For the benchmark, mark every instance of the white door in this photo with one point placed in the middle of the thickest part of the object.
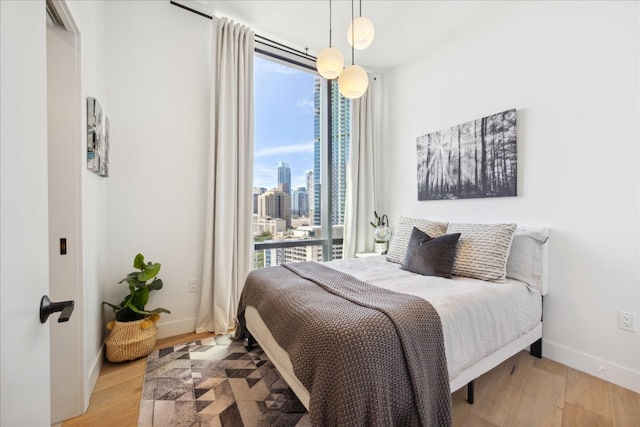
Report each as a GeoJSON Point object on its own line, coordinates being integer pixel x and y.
{"type": "Point", "coordinates": [24, 252]}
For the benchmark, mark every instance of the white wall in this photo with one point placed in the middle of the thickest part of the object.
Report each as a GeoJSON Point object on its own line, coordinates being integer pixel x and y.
{"type": "Point", "coordinates": [572, 71]}
{"type": "Point", "coordinates": [158, 68]}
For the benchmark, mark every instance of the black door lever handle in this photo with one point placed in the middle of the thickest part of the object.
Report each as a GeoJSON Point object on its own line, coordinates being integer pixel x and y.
{"type": "Point", "coordinates": [47, 307]}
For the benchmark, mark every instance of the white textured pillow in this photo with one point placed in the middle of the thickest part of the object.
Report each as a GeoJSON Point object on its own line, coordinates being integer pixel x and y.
{"type": "Point", "coordinates": [482, 251]}
{"type": "Point", "coordinates": [402, 234]}
{"type": "Point", "coordinates": [529, 257]}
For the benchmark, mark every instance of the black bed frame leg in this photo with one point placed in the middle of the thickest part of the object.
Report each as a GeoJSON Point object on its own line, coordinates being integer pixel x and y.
{"type": "Point", "coordinates": [470, 392]}
{"type": "Point", "coordinates": [536, 349]}
{"type": "Point", "coordinates": [250, 342]}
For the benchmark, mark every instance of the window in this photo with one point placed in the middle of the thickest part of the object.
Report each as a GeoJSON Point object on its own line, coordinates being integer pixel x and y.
{"type": "Point", "coordinates": [300, 168]}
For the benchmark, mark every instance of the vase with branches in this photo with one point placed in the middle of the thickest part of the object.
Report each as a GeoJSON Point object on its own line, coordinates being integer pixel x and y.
{"type": "Point", "coordinates": [381, 233]}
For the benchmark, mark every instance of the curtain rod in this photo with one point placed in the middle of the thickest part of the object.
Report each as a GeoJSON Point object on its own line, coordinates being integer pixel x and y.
{"type": "Point", "coordinates": [259, 39]}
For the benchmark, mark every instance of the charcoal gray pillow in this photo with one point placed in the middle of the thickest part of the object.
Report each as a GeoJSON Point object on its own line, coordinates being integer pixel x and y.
{"type": "Point", "coordinates": [430, 256]}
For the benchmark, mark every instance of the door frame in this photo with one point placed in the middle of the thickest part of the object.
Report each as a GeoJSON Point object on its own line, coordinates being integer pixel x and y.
{"type": "Point", "coordinates": [70, 388]}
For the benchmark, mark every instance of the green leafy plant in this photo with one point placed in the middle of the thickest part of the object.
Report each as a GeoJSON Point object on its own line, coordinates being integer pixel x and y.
{"type": "Point", "coordinates": [132, 306]}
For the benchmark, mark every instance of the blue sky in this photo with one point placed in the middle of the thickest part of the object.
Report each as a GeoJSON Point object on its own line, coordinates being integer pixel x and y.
{"type": "Point", "coordinates": [283, 122]}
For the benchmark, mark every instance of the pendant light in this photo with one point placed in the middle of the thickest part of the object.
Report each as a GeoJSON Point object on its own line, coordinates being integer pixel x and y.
{"type": "Point", "coordinates": [330, 61]}
{"type": "Point", "coordinates": [361, 30]}
{"type": "Point", "coordinates": [353, 80]}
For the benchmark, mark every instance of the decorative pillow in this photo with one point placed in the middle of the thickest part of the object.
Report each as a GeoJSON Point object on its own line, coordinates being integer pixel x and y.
{"type": "Point", "coordinates": [482, 251]}
{"type": "Point", "coordinates": [402, 233]}
{"type": "Point", "coordinates": [529, 257]}
{"type": "Point", "coordinates": [430, 257]}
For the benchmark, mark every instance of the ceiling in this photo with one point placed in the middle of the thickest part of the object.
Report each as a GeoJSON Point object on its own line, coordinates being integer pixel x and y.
{"type": "Point", "coordinates": [403, 28]}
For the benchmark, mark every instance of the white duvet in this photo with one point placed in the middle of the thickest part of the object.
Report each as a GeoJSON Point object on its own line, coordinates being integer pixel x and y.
{"type": "Point", "coordinates": [477, 317]}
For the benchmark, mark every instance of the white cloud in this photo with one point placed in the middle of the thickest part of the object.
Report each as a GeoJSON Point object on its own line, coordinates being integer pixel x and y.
{"type": "Point", "coordinates": [306, 106]}
{"type": "Point", "coordinates": [264, 176]}
{"type": "Point", "coordinates": [306, 147]}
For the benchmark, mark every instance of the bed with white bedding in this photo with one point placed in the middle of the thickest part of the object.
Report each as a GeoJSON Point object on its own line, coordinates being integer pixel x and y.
{"type": "Point", "coordinates": [483, 322]}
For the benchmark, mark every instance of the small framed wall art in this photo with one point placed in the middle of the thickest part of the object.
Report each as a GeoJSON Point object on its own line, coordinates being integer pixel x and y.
{"type": "Point", "coordinates": [97, 138]}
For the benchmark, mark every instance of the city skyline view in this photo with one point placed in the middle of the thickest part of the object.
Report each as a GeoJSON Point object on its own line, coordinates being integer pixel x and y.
{"type": "Point", "coordinates": [284, 119]}
{"type": "Point", "coordinates": [287, 196]}
{"type": "Point", "coordinates": [288, 147]}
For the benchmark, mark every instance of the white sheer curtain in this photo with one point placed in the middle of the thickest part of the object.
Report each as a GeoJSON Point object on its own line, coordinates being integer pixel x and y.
{"type": "Point", "coordinates": [228, 239]}
{"type": "Point", "coordinates": [360, 196]}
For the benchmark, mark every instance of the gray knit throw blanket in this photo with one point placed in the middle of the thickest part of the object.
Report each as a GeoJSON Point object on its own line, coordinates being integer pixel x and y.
{"type": "Point", "coordinates": [368, 356]}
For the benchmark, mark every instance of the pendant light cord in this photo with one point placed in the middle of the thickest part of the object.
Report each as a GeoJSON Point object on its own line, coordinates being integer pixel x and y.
{"type": "Point", "coordinates": [330, 29]}
{"type": "Point", "coordinates": [353, 35]}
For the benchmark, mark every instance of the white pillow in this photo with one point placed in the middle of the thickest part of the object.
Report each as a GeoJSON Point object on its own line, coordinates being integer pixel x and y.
{"type": "Point", "coordinates": [482, 250]}
{"type": "Point", "coordinates": [529, 257]}
{"type": "Point", "coordinates": [402, 234]}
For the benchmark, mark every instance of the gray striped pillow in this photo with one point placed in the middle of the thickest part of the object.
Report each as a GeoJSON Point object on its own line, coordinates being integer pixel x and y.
{"type": "Point", "coordinates": [483, 250]}
{"type": "Point", "coordinates": [402, 234]}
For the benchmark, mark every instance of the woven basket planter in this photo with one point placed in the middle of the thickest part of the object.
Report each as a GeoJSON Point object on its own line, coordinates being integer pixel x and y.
{"type": "Point", "coordinates": [128, 341]}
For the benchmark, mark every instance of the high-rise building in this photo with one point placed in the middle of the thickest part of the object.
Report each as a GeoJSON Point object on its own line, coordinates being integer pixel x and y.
{"type": "Point", "coordinates": [256, 192]}
{"type": "Point", "coordinates": [341, 137]}
{"type": "Point", "coordinates": [275, 204]}
{"type": "Point", "coordinates": [340, 145]}
{"type": "Point", "coordinates": [317, 153]}
{"type": "Point", "coordinates": [284, 178]}
{"type": "Point", "coordinates": [300, 202]}
{"type": "Point", "coordinates": [309, 181]}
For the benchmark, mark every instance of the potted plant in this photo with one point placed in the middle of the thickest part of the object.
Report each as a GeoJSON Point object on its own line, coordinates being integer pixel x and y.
{"type": "Point", "coordinates": [134, 331]}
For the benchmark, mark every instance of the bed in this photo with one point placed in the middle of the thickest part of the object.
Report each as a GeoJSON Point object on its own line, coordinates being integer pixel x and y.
{"type": "Point", "coordinates": [483, 322]}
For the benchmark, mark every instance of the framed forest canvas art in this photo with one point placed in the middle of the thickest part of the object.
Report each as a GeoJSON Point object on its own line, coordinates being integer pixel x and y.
{"type": "Point", "coordinates": [471, 160]}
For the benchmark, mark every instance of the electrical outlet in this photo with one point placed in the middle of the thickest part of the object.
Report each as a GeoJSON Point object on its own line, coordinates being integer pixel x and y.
{"type": "Point", "coordinates": [627, 321]}
{"type": "Point", "coordinates": [194, 285]}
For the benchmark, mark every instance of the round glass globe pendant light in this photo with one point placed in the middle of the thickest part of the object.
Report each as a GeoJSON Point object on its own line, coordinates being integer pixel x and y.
{"type": "Point", "coordinates": [361, 30]}
{"type": "Point", "coordinates": [353, 81]}
{"type": "Point", "coordinates": [330, 61]}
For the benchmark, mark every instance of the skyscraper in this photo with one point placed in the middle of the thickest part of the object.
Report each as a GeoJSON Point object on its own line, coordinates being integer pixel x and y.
{"type": "Point", "coordinates": [275, 204]}
{"type": "Point", "coordinates": [309, 180]}
{"type": "Point", "coordinates": [317, 153]}
{"type": "Point", "coordinates": [256, 192]}
{"type": "Point", "coordinates": [340, 139]}
{"type": "Point", "coordinates": [299, 202]}
{"type": "Point", "coordinates": [284, 178]}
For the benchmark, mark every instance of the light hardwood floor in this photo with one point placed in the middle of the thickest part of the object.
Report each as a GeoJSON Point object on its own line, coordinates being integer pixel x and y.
{"type": "Point", "coordinates": [522, 391]}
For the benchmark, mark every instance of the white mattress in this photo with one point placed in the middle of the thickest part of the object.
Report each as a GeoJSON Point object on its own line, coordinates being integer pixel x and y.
{"type": "Point", "coordinates": [477, 317]}
{"type": "Point", "coordinates": [483, 323]}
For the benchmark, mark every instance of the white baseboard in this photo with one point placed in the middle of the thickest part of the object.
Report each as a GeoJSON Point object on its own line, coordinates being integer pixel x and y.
{"type": "Point", "coordinates": [94, 373]}
{"type": "Point", "coordinates": [616, 374]}
{"type": "Point", "coordinates": [178, 327]}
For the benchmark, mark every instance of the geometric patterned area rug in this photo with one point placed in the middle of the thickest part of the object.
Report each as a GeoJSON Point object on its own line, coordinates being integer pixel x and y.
{"type": "Point", "coordinates": [216, 382]}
